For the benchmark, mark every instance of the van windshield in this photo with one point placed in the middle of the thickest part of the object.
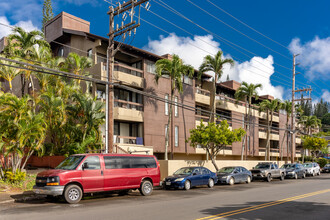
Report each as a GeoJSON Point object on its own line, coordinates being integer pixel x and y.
{"type": "Point", "coordinates": [70, 163]}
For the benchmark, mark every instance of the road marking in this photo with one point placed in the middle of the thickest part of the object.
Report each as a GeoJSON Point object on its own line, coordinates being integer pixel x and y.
{"type": "Point", "coordinates": [264, 205]}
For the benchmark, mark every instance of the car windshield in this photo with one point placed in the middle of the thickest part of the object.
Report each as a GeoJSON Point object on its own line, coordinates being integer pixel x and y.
{"type": "Point", "coordinates": [226, 170]}
{"type": "Point", "coordinates": [70, 163]}
{"type": "Point", "coordinates": [287, 166]}
{"type": "Point", "coordinates": [184, 171]}
{"type": "Point", "coordinates": [262, 166]}
{"type": "Point", "coordinates": [328, 165]}
{"type": "Point", "coordinates": [308, 165]}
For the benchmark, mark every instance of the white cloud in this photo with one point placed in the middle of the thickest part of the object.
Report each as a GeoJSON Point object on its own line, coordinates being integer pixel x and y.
{"type": "Point", "coordinates": [326, 95]}
{"type": "Point", "coordinates": [257, 70]}
{"type": "Point", "coordinates": [314, 56]}
{"type": "Point", "coordinates": [26, 25]}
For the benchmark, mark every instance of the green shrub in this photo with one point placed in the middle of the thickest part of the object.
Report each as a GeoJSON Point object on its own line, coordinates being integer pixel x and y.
{"type": "Point", "coordinates": [19, 176]}
{"type": "Point", "coordinates": [322, 162]}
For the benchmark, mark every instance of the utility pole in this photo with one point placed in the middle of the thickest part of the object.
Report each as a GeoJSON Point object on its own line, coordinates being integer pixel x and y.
{"type": "Point", "coordinates": [293, 117]}
{"type": "Point", "coordinates": [124, 30]}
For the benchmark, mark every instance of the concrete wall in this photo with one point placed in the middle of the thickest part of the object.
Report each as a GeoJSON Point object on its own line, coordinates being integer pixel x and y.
{"type": "Point", "coordinates": [170, 166]}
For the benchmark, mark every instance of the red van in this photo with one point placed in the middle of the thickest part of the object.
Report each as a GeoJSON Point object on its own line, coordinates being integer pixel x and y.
{"type": "Point", "coordinates": [88, 173]}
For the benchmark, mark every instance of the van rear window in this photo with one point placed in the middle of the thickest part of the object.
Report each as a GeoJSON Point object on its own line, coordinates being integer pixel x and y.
{"type": "Point", "coordinates": [129, 162]}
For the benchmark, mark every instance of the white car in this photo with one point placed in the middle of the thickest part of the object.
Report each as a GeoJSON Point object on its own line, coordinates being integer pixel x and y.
{"type": "Point", "coordinates": [312, 169]}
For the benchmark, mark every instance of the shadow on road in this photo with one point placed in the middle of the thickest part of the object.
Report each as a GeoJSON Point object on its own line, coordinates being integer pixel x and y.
{"type": "Point", "coordinates": [259, 210]}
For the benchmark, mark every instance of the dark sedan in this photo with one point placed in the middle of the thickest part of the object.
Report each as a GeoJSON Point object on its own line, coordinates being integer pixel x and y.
{"type": "Point", "coordinates": [326, 168]}
{"type": "Point", "coordinates": [294, 170]}
{"type": "Point", "coordinates": [187, 177]}
{"type": "Point", "coordinates": [231, 175]}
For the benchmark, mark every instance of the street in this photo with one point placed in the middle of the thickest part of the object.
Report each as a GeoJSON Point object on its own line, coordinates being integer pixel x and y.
{"type": "Point", "coordinates": [289, 199]}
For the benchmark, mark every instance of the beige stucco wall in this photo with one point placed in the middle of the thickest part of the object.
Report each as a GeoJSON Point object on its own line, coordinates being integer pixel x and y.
{"type": "Point", "coordinates": [263, 135]}
{"type": "Point", "coordinates": [170, 166]}
{"type": "Point", "coordinates": [203, 99]}
{"type": "Point", "coordinates": [127, 114]}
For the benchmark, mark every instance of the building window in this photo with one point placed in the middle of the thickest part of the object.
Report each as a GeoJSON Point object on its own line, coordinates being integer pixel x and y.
{"type": "Point", "coordinates": [176, 113]}
{"type": "Point", "coordinates": [90, 53]}
{"type": "Point", "coordinates": [166, 104]}
{"type": "Point", "coordinates": [176, 131]}
{"type": "Point", "coordinates": [151, 67]}
{"type": "Point", "coordinates": [187, 80]}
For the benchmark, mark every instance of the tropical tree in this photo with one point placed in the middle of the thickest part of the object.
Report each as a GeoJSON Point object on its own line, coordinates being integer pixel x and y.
{"type": "Point", "coordinates": [175, 69]}
{"type": "Point", "coordinates": [78, 65]}
{"type": "Point", "coordinates": [214, 138]}
{"type": "Point", "coordinates": [315, 145]}
{"type": "Point", "coordinates": [247, 91]}
{"type": "Point", "coordinates": [270, 107]}
{"type": "Point", "coordinates": [287, 107]}
{"type": "Point", "coordinates": [214, 64]}
{"type": "Point", "coordinates": [47, 12]}
{"type": "Point", "coordinates": [9, 73]}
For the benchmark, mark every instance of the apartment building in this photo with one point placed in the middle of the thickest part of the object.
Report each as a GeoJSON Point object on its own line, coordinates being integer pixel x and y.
{"type": "Point", "coordinates": [139, 121]}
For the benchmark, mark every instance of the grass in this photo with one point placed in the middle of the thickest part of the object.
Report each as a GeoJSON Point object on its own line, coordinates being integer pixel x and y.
{"type": "Point", "coordinates": [25, 185]}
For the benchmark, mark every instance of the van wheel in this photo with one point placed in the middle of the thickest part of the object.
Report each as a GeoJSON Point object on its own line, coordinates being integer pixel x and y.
{"type": "Point", "coordinates": [72, 194]}
{"type": "Point", "coordinates": [146, 188]}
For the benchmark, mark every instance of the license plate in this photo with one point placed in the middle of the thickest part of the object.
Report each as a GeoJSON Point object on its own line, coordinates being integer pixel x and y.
{"type": "Point", "coordinates": [168, 183]}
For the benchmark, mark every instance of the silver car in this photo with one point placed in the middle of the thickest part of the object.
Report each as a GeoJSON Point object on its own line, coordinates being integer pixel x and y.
{"type": "Point", "coordinates": [312, 169]}
{"type": "Point", "coordinates": [232, 175]}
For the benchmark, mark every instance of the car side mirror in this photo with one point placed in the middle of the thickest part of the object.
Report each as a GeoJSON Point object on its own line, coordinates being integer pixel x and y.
{"type": "Point", "coordinates": [85, 166]}
{"type": "Point", "coordinates": [194, 174]}
{"type": "Point", "coordinates": [252, 167]}
{"type": "Point", "coordinates": [235, 171]}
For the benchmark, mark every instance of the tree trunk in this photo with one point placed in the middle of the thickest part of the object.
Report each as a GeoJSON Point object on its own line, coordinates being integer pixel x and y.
{"type": "Point", "coordinates": [214, 105]}
{"type": "Point", "coordinates": [23, 84]}
{"type": "Point", "coordinates": [287, 137]}
{"type": "Point", "coordinates": [184, 127]}
{"type": "Point", "coordinates": [281, 148]}
{"type": "Point", "coordinates": [168, 127]}
{"type": "Point", "coordinates": [244, 137]}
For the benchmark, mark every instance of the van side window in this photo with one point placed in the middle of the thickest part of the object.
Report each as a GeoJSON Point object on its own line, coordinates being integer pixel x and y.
{"type": "Point", "coordinates": [93, 163]}
{"type": "Point", "coordinates": [112, 162]}
{"type": "Point", "coordinates": [143, 162]}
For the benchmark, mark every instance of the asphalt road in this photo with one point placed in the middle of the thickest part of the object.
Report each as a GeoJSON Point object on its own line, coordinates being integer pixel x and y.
{"type": "Point", "coordinates": [301, 199]}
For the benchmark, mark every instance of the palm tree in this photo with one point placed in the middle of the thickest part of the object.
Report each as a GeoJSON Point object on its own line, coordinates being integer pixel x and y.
{"type": "Point", "coordinates": [9, 73]}
{"type": "Point", "coordinates": [175, 69]}
{"type": "Point", "coordinates": [21, 43]}
{"type": "Point", "coordinates": [309, 122]}
{"type": "Point", "coordinates": [214, 64]}
{"type": "Point", "coordinates": [287, 107]}
{"type": "Point", "coordinates": [78, 64]}
{"type": "Point", "coordinates": [247, 91]}
{"type": "Point", "coordinates": [270, 107]}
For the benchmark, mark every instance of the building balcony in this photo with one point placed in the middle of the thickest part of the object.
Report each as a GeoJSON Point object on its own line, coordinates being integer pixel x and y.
{"type": "Point", "coordinates": [226, 151]}
{"type": "Point", "coordinates": [274, 134]}
{"type": "Point", "coordinates": [129, 75]}
{"type": "Point", "coordinates": [202, 96]}
{"type": "Point", "coordinates": [298, 140]}
{"type": "Point", "coordinates": [131, 145]}
{"type": "Point", "coordinates": [274, 152]}
{"type": "Point", "coordinates": [231, 104]}
{"type": "Point", "coordinates": [128, 111]}
{"type": "Point", "coordinates": [99, 71]}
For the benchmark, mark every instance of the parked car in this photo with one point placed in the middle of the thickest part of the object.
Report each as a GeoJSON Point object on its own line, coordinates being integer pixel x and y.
{"type": "Point", "coordinates": [88, 173]}
{"type": "Point", "coordinates": [312, 169]}
{"type": "Point", "coordinates": [294, 170]}
{"type": "Point", "coordinates": [326, 168]}
{"type": "Point", "coordinates": [232, 175]}
{"type": "Point", "coordinates": [267, 171]}
{"type": "Point", "coordinates": [187, 177]}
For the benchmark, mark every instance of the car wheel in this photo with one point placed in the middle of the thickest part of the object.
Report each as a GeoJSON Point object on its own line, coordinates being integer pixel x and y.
{"type": "Point", "coordinates": [319, 173]}
{"type": "Point", "coordinates": [296, 176]}
{"type": "Point", "coordinates": [231, 181]}
{"type": "Point", "coordinates": [248, 179]}
{"type": "Point", "coordinates": [73, 194]}
{"type": "Point", "coordinates": [269, 178]}
{"type": "Point", "coordinates": [187, 185]}
{"type": "Point", "coordinates": [282, 176]}
{"type": "Point", "coordinates": [146, 188]}
{"type": "Point", "coordinates": [304, 175]}
{"type": "Point", "coordinates": [211, 183]}
{"type": "Point", "coordinates": [314, 174]}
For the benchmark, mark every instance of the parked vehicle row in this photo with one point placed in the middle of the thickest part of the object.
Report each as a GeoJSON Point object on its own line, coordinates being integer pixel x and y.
{"type": "Point", "coordinates": [326, 168]}
{"type": "Point", "coordinates": [89, 173]}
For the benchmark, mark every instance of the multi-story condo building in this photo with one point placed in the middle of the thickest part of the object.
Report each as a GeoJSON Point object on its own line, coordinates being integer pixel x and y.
{"type": "Point", "coordinates": [140, 121]}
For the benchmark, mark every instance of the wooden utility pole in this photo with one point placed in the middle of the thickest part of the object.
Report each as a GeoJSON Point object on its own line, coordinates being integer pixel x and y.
{"type": "Point", "coordinates": [124, 30]}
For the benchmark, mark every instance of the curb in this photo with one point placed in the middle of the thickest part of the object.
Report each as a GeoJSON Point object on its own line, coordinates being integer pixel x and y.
{"type": "Point", "coordinates": [7, 201]}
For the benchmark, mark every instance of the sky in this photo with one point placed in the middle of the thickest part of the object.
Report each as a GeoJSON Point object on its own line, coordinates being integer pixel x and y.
{"type": "Point", "coordinates": [260, 36]}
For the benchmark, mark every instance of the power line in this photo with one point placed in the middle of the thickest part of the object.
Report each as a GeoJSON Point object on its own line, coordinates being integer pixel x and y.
{"type": "Point", "coordinates": [72, 75]}
{"type": "Point", "coordinates": [238, 30]}
{"type": "Point", "coordinates": [246, 24]}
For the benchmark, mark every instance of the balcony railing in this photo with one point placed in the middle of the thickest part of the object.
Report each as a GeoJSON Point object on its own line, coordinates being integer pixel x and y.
{"type": "Point", "coordinates": [128, 140]}
{"type": "Point", "coordinates": [272, 150]}
{"type": "Point", "coordinates": [272, 131]}
{"type": "Point", "coordinates": [128, 69]}
{"type": "Point", "coordinates": [202, 91]}
{"type": "Point", "coordinates": [128, 105]}
{"type": "Point", "coordinates": [207, 118]}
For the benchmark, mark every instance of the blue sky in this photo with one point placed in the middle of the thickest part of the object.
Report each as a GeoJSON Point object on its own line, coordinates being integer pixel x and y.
{"type": "Point", "coordinates": [300, 26]}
